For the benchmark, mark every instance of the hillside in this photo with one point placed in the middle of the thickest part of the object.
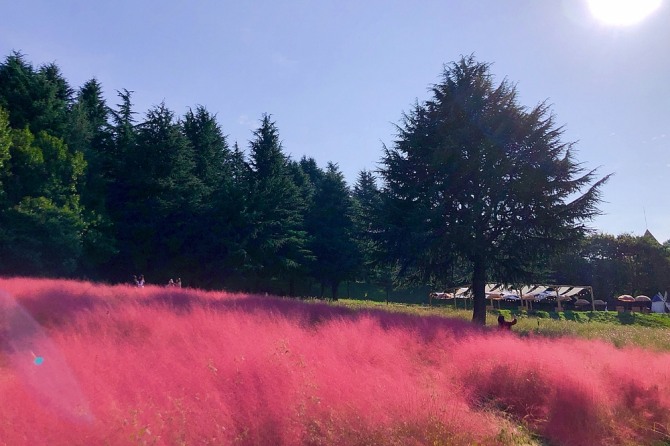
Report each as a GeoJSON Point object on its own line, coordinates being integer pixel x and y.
{"type": "Point", "coordinates": [122, 365]}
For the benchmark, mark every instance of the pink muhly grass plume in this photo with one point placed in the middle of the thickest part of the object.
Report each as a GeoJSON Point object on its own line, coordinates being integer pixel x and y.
{"type": "Point", "coordinates": [171, 366]}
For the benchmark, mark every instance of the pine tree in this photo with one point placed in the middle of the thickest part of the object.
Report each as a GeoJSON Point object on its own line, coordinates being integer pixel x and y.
{"type": "Point", "coordinates": [89, 133]}
{"type": "Point", "coordinates": [211, 152]}
{"type": "Point", "coordinates": [475, 176]}
{"type": "Point", "coordinates": [162, 195]}
{"type": "Point", "coordinates": [367, 204]}
{"type": "Point", "coordinates": [331, 229]}
{"type": "Point", "coordinates": [37, 99]}
{"type": "Point", "coordinates": [5, 144]}
{"type": "Point", "coordinates": [220, 224]}
{"type": "Point", "coordinates": [276, 244]}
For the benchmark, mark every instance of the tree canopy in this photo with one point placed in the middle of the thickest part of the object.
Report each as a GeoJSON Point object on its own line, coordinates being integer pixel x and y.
{"type": "Point", "coordinates": [475, 176]}
{"type": "Point", "coordinates": [474, 187]}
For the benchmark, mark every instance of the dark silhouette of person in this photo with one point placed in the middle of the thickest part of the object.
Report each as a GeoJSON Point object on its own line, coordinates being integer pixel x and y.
{"type": "Point", "coordinates": [503, 324]}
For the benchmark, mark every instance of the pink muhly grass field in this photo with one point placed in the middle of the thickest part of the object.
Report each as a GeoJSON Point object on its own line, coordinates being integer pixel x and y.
{"type": "Point", "coordinates": [156, 365]}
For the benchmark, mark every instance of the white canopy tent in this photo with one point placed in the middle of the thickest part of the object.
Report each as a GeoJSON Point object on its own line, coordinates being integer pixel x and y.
{"type": "Point", "coordinates": [659, 303]}
{"type": "Point", "coordinates": [526, 294]}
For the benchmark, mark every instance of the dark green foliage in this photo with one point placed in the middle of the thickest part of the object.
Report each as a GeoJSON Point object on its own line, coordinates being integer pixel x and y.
{"type": "Point", "coordinates": [276, 241]}
{"type": "Point", "coordinates": [41, 218]}
{"type": "Point", "coordinates": [90, 134]}
{"type": "Point", "coordinates": [312, 170]}
{"type": "Point", "coordinates": [161, 194]}
{"type": "Point", "coordinates": [473, 183]}
{"type": "Point", "coordinates": [124, 143]}
{"type": "Point", "coordinates": [38, 237]}
{"type": "Point", "coordinates": [330, 225]}
{"type": "Point", "coordinates": [615, 265]}
{"type": "Point", "coordinates": [211, 153]}
{"type": "Point", "coordinates": [366, 208]}
{"type": "Point", "coordinates": [220, 220]}
{"type": "Point", "coordinates": [5, 144]}
{"type": "Point", "coordinates": [475, 176]}
{"type": "Point", "coordinates": [37, 99]}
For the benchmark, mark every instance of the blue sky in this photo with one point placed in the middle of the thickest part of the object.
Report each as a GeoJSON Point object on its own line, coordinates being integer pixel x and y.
{"type": "Point", "coordinates": [337, 75]}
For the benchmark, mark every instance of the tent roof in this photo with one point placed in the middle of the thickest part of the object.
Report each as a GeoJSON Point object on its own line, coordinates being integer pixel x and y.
{"type": "Point", "coordinates": [573, 291]}
{"type": "Point", "coordinates": [657, 298]}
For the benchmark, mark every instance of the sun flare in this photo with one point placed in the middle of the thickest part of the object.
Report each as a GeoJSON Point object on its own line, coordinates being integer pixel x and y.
{"type": "Point", "coordinates": [622, 12]}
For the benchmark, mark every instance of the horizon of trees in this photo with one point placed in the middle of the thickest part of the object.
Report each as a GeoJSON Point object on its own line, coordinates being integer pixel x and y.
{"type": "Point", "coordinates": [89, 190]}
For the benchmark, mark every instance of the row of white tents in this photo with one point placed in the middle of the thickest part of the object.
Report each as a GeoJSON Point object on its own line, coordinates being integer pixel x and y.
{"type": "Point", "coordinates": [580, 296]}
{"type": "Point", "coordinates": [527, 294]}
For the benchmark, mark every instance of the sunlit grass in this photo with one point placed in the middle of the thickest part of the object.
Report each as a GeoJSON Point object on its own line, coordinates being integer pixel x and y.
{"type": "Point", "coordinates": [635, 332]}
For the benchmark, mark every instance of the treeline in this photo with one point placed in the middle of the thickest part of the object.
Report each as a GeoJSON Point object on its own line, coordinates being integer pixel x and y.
{"type": "Point", "coordinates": [95, 191]}
{"type": "Point", "coordinates": [615, 265]}
{"type": "Point", "coordinates": [90, 190]}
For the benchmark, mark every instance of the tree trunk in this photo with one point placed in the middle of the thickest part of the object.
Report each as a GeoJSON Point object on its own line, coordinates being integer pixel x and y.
{"type": "Point", "coordinates": [334, 286]}
{"type": "Point", "coordinates": [479, 292]}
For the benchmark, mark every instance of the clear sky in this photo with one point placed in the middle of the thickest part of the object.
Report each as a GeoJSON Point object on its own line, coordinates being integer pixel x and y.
{"type": "Point", "coordinates": [337, 75]}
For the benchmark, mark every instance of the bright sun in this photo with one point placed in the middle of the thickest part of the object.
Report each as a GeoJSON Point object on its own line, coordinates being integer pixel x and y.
{"type": "Point", "coordinates": [622, 12]}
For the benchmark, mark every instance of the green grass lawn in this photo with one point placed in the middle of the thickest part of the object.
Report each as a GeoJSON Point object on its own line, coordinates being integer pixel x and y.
{"type": "Point", "coordinates": [651, 331]}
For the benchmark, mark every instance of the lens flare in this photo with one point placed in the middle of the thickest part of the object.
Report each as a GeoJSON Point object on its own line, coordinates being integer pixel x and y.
{"type": "Point", "coordinates": [622, 12]}
{"type": "Point", "coordinates": [52, 383]}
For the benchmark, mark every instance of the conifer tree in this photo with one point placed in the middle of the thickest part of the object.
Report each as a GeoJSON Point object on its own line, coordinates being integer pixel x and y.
{"type": "Point", "coordinates": [366, 198]}
{"type": "Point", "coordinates": [475, 176]}
{"type": "Point", "coordinates": [5, 144]}
{"type": "Point", "coordinates": [220, 222]}
{"type": "Point", "coordinates": [163, 194]}
{"type": "Point", "coordinates": [37, 99]}
{"type": "Point", "coordinates": [331, 229]}
{"type": "Point", "coordinates": [276, 244]}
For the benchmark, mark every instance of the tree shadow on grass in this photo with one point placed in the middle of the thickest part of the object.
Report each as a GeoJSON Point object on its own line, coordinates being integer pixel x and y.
{"type": "Point", "coordinates": [54, 306]}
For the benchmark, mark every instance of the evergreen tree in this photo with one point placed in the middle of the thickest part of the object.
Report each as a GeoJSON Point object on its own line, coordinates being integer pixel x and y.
{"type": "Point", "coordinates": [220, 225]}
{"type": "Point", "coordinates": [41, 216]}
{"type": "Point", "coordinates": [331, 229]}
{"type": "Point", "coordinates": [5, 144]}
{"type": "Point", "coordinates": [367, 204]}
{"type": "Point", "coordinates": [473, 175]}
{"type": "Point", "coordinates": [121, 173]}
{"type": "Point", "coordinates": [17, 78]}
{"type": "Point", "coordinates": [89, 133]}
{"type": "Point", "coordinates": [37, 99]}
{"type": "Point", "coordinates": [276, 244]}
{"type": "Point", "coordinates": [163, 195]}
{"type": "Point", "coordinates": [211, 152]}
{"type": "Point", "coordinates": [312, 170]}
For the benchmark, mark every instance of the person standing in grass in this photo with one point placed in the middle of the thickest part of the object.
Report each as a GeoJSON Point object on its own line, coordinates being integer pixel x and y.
{"type": "Point", "coordinates": [503, 324]}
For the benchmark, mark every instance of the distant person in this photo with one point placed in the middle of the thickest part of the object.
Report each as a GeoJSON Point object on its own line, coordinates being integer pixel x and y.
{"type": "Point", "coordinates": [178, 282]}
{"type": "Point", "coordinates": [504, 325]}
{"type": "Point", "coordinates": [136, 281]}
{"type": "Point", "coordinates": [140, 283]}
{"type": "Point", "coordinates": [170, 283]}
